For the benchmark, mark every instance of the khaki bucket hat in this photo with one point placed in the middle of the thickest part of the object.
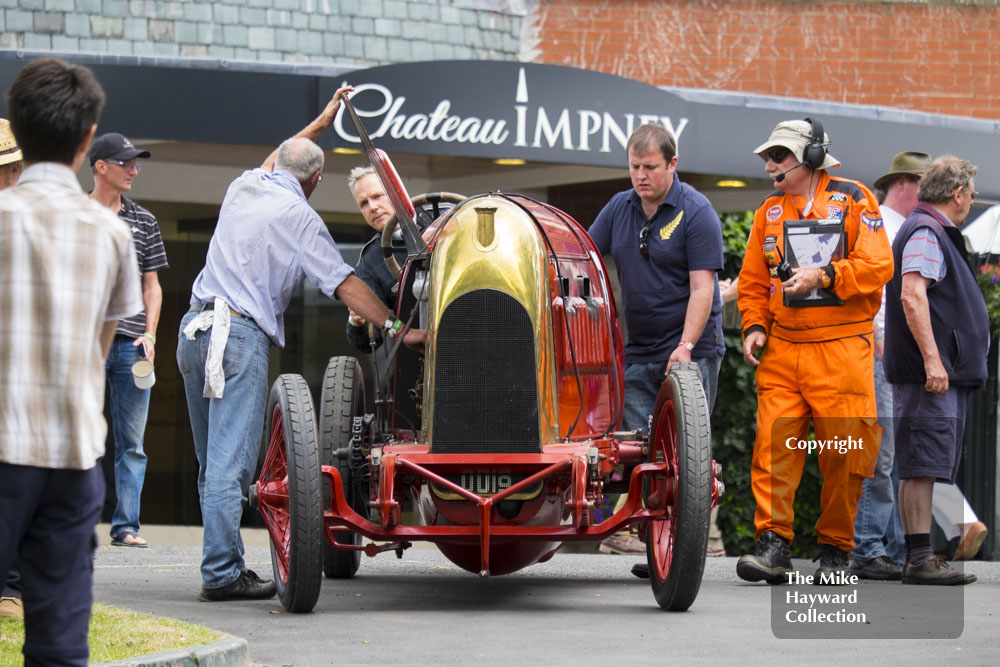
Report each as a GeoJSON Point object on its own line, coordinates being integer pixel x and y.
{"type": "Point", "coordinates": [913, 163]}
{"type": "Point", "coordinates": [795, 135]}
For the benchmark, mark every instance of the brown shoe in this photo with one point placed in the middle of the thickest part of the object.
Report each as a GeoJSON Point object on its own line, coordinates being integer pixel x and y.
{"type": "Point", "coordinates": [623, 543]}
{"type": "Point", "coordinates": [972, 538]}
{"type": "Point", "coordinates": [935, 571]}
{"type": "Point", "coordinates": [11, 607]}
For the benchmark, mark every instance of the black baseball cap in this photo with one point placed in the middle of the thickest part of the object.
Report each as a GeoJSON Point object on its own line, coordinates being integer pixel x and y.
{"type": "Point", "coordinates": [114, 145]}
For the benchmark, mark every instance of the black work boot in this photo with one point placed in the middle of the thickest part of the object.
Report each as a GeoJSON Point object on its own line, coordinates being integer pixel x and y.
{"type": "Point", "coordinates": [771, 563]}
{"type": "Point", "coordinates": [247, 586]}
{"type": "Point", "coordinates": [833, 566]}
{"type": "Point", "coordinates": [879, 569]}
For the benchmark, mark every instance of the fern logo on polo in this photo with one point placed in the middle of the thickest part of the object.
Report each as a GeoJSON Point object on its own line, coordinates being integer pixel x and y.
{"type": "Point", "coordinates": [669, 228]}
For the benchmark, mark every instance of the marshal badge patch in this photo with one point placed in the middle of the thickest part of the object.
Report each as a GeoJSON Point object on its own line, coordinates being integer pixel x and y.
{"type": "Point", "coordinates": [774, 213]}
{"type": "Point", "coordinates": [872, 222]}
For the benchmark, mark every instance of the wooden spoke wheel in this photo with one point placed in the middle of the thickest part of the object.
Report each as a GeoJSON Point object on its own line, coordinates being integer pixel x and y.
{"type": "Point", "coordinates": [289, 496]}
{"type": "Point", "coordinates": [680, 437]}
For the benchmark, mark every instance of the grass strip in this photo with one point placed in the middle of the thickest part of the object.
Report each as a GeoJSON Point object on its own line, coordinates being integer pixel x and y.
{"type": "Point", "coordinates": [116, 634]}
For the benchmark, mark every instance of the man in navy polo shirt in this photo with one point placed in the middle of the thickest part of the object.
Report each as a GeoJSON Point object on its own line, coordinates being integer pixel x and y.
{"type": "Point", "coordinates": [666, 241]}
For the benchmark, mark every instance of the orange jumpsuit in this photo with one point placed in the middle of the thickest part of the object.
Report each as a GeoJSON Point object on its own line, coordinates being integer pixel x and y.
{"type": "Point", "coordinates": [817, 362]}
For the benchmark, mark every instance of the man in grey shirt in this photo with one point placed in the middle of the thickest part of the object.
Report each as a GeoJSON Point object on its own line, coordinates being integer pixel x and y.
{"type": "Point", "coordinates": [268, 239]}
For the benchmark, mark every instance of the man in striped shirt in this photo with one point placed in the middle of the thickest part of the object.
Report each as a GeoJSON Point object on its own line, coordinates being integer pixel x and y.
{"type": "Point", "coordinates": [114, 161]}
{"type": "Point", "coordinates": [68, 275]}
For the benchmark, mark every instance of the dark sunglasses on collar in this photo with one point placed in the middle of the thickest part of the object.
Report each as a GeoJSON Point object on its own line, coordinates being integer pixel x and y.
{"type": "Point", "coordinates": [644, 241]}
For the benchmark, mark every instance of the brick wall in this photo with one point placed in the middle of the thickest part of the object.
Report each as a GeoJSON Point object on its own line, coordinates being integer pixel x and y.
{"type": "Point", "coordinates": [925, 55]}
{"type": "Point", "coordinates": [363, 32]}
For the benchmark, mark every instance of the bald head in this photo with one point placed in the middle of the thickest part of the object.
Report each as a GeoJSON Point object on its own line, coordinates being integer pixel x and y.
{"type": "Point", "coordinates": [301, 157]}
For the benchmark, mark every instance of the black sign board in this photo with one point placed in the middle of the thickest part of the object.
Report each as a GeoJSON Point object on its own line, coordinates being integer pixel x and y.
{"type": "Point", "coordinates": [492, 109]}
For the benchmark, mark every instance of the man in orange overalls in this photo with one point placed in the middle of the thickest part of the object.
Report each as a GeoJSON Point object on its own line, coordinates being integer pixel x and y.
{"type": "Point", "coordinates": [816, 361]}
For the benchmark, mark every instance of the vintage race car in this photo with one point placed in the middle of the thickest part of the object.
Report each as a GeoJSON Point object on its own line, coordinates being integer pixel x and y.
{"type": "Point", "coordinates": [503, 434]}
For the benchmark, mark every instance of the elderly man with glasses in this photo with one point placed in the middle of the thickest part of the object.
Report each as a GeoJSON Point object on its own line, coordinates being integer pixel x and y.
{"type": "Point", "coordinates": [114, 161]}
{"type": "Point", "coordinates": [666, 241]}
{"type": "Point", "coordinates": [816, 358]}
{"type": "Point", "coordinates": [937, 339]}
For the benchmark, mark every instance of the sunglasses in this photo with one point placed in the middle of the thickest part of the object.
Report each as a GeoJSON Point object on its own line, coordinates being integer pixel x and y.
{"type": "Point", "coordinates": [125, 164]}
{"type": "Point", "coordinates": [644, 241]}
{"type": "Point", "coordinates": [777, 155]}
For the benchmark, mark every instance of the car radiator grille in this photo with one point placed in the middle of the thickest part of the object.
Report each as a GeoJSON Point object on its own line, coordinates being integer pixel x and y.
{"type": "Point", "coordinates": [485, 383]}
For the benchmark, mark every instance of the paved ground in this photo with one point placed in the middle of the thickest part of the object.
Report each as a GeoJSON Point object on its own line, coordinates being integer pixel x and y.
{"type": "Point", "coordinates": [580, 608]}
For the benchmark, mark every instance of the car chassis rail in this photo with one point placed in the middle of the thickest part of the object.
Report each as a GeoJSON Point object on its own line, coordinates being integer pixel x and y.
{"type": "Point", "coordinates": [397, 461]}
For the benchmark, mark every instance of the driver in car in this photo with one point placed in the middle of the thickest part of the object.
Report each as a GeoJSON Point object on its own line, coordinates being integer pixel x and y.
{"type": "Point", "coordinates": [375, 208]}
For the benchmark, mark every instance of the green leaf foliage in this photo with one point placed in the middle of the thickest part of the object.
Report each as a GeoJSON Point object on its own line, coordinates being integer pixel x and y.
{"type": "Point", "coordinates": [988, 277]}
{"type": "Point", "coordinates": [734, 427]}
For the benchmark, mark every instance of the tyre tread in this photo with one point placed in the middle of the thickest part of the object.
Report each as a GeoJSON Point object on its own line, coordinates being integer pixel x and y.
{"type": "Point", "coordinates": [340, 381]}
{"type": "Point", "coordinates": [301, 590]}
{"type": "Point", "coordinates": [694, 494]}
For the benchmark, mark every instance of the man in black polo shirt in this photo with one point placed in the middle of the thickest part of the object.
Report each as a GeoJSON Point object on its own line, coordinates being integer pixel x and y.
{"type": "Point", "coordinates": [937, 337]}
{"type": "Point", "coordinates": [114, 161]}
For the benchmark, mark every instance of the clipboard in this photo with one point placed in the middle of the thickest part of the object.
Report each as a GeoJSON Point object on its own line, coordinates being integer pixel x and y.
{"type": "Point", "coordinates": [813, 244]}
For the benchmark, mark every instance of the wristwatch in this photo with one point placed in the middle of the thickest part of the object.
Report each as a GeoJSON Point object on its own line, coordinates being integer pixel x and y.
{"type": "Point", "coordinates": [686, 345]}
{"type": "Point", "coordinates": [826, 278]}
{"type": "Point", "coordinates": [392, 327]}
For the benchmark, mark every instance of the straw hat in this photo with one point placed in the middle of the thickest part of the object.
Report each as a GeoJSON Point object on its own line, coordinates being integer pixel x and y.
{"type": "Point", "coordinates": [9, 152]}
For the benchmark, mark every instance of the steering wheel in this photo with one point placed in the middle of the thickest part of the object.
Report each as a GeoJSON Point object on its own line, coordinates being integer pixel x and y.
{"type": "Point", "coordinates": [432, 199]}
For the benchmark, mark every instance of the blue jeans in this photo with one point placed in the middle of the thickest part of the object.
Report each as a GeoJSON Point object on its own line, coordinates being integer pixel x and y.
{"type": "Point", "coordinates": [129, 409]}
{"type": "Point", "coordinates": [878, 515]}
{"type": "Point", "coordinates": [227, 436]}
{"type": "Point", "coordinates": [642, 384]}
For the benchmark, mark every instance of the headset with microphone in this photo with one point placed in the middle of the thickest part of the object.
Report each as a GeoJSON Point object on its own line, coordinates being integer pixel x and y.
{"type": "Point", "coordinates": [813, 154]}
{"type": "Point", "coordinates": [780, 177]}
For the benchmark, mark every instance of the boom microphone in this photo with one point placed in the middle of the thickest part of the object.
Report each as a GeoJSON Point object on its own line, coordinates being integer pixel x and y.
{"type": "Point", "coordinates": [780, 177]}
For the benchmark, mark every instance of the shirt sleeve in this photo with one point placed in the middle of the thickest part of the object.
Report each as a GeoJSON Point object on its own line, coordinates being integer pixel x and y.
{"type": "Point", "coordinates": [322, 262]}
{"type": "Point", "coordinates": [879, 321]}
{"type": "Point", "coordinates": [372, 270]}
{"type": "Point", "coordinates": [367, 271]}
{"type": "Point", "coordinates": [155, 256]}
{"type": "Point", "coordinates": [704, 241]}
{"type": "Point", "coordinates": [600, 231]}
{"type": "Point", "coordinates": [754, 288]}
{"type": "Point", "coordinates": [358, 337]}
{"type": "Point", "coordinates": [922, 254]}
{"type": "Point", "coordinates": [868, 265]}
{"type": "Point", "coordinates": [126, 293]}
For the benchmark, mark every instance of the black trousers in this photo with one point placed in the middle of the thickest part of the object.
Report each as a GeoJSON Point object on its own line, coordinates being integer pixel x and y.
{"type": "Point", "coordinates": [12, 585]}
{"type": "Point", "coordinates": [47, 520]}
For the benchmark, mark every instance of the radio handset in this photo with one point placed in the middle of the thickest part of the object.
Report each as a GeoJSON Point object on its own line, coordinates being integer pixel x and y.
{"type": "Point", "coordinates": [784, 268]}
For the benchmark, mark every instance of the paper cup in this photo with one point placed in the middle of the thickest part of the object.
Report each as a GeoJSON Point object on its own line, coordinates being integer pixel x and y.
{"type": "Point", "coordinates": [143, 375]}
